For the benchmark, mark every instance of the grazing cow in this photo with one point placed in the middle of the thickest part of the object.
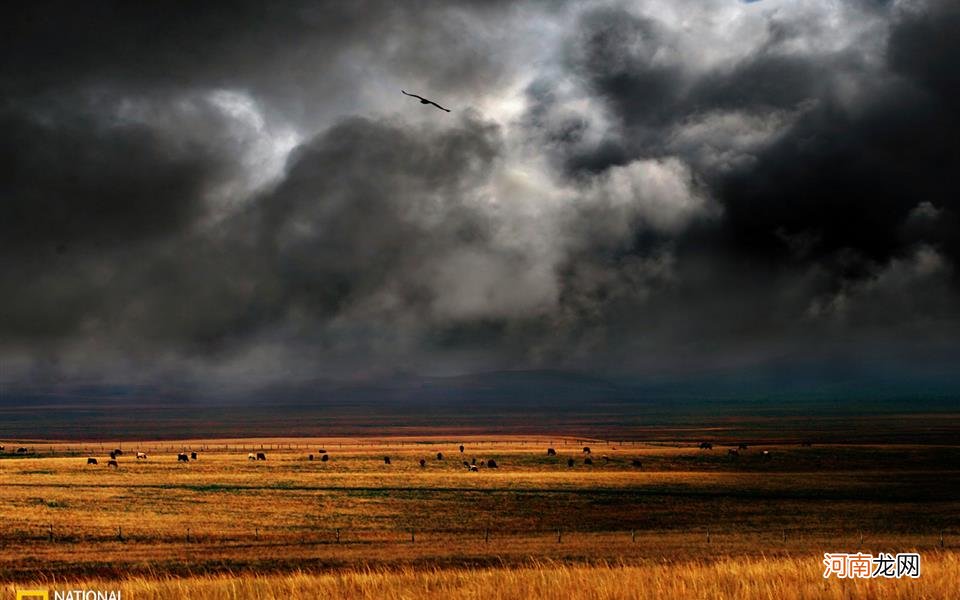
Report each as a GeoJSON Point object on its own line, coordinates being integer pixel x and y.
{"type": "Point", "coordinates": [474, 468]}
{"type": "Point", "coordinates": [386, 460]}
{"type": "Point", "coordinates": [310, 457]}
{"type": "Point", "coordinates": [492, 464]}
{"type": "Point", "coordinates": [193, 456]}
{"type": "Point", "coordinates": [586, 449]}
{"type": "Point", "coordinates": [423, 463]}
{"type": "Point", "coordinates": [113, 463]}
{"type": "Point", "coordinates": [483, 463]}
{"type": "Point", "coordinates": [91, 461]}
{"type": "Point", "coordinates": [742, 447]}
{"type": "Point", "coordinates": [588, 461]}
{"type": "Point", "coordinates": [466, 464]}
{"type": "Point", "coordinates": [21, 450]}
{"type": "Point", "coordinates": [569, 462]}
{"type": "Point", "coordinates": [551, 452]}
{"type": "Point", "coordinates": [261, 456]}
{"type": "Point", "coordinates": [113, 455]}
{"type": "Point", "coordinates": [321, 451]}
{"type": "Point", "coordinates": [766, 454]}
{"type": "Point", "coordinates": [251, 456]}
{"type": "Point", "coordinates": [461, 448]}
{"type": "Point", "coordinates": [706, 446]}
{"type": "Point", "coordinates": [439, 455]}
{"type": "Point", "coordinates": [183, 457]}
{"type": "Point", "coordinates": [637, 463]}
{"type": "Point", "coordinates": [733, 452]}
{"type": "Point", "coordinates": [118, 452]}
{"type": "Point", "coordinates": [325, 458]}
{"type": "Point", "coordinates": [141, 456]}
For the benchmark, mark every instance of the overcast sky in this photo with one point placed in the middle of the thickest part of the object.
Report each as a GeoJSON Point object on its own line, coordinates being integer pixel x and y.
{"type": "Point", "coordinates": [244, 195]}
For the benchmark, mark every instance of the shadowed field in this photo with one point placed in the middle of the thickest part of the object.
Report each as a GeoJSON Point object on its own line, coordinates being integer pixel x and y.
{"type": "Point", "coordinates": [222, 513]}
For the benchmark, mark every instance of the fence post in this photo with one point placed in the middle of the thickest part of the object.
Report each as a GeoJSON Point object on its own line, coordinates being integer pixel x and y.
{"type": "Point", "coordinates": [559, 535]}
{"type": "Point", "coordinates": [633, 536]}
{"type": "Point", "coordinates": [708, 535]}
{"type": "Point", "coordinates": [413, 537]}
{"type": "Point", "coordinates": [784, 536]}
{"type": "Point", "coordinates": [119, 533]}
{"type": "Point", "coordinates": [486, 536]}
{"type": "Point", "coordinates": [51, 532]}
{"type": "Point", "coordinates": [338, 535]}
{"type": "Point", "coordinates": [188, 535]}
{"type": "Point", "coordinates": [941, 538]}
{"type": "Point", "coordinates": [861, 536]}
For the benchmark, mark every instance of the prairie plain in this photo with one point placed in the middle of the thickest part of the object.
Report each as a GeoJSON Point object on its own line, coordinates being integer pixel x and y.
{"type": "Point", "coordinates": [639, 505]}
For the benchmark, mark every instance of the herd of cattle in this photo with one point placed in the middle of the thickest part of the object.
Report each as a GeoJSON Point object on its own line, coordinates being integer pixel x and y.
{"type": "Point", "coordinates": [471, 465]}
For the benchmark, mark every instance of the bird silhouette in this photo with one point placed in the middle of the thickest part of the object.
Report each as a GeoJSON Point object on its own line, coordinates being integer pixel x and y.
{"type": "Point", "coordinates": [425, 101]}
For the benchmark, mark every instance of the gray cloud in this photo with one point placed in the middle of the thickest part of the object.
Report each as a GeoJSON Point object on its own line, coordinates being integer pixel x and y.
{"type": "Point", "coordinates": [627, 188]}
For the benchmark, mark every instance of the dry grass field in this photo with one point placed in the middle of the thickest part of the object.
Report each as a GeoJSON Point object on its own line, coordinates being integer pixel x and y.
{"type": "Point", "coordinates": [687, 523]}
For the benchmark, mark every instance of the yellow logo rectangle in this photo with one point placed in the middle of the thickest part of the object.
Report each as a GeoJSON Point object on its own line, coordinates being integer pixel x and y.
{"type": "Point", "coordinates": [33, 595]}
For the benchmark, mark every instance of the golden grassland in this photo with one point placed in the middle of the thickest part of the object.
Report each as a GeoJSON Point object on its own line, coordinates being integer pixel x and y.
{"type": "Point", "coordinates": [355, 526]}
{"type": "Point", "coordinates": [753, 578]}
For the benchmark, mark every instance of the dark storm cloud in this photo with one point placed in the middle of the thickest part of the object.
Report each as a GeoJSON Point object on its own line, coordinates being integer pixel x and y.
{"type": "Point", "coordinates": [635, 188]}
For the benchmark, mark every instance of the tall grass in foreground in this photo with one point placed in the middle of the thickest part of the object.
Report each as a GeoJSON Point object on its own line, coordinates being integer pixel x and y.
{"type": "Point", "coordinates": [729, 579]}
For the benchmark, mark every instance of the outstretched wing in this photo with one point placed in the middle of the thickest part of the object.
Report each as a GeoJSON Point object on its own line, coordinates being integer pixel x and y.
{"type": "Point", "coordinates": [438, 106]}
{"type": "Point", "coordinates": [414, 96]}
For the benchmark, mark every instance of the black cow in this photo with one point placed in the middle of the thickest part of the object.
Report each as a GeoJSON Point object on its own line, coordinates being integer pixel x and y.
{"type": "Point", "coordinates": [586, 449]}
{"type": "Point", "coordinates": [569, 462]}
{"type": "Point", "coordinates": [473, 460]}
{"type": "Point", "coordinates": [492, 464]}
{"type": "Point", "coordinates": [193, 456]}
{"type": "Point", "coordinates": [466, 464]}
{"type": "Point", "coordinates": [321, 451]}
{"type": "Point", "coordinates": [91, 461]}
{"type": "Point", "coordinates": [733, 452]}
{"type": "Point", "coordinates": [551, 452]}
{"type": "Point", "coordinates": [325, 458]}
{"type": "Point", "coordinates": [118, 452]}
{"type": "Point", "coordinates": [423, 463]}
{"type": "Point", "coordinates": [113, 463]}
{"type": "Point", "coordinates": [439, 455]}
{"type": "Point", "coordinates": [742, 447]}
{"type": "Point", "coordinates": [806, 444]}
{"type": "Point", "coordinates": [261, 456]}
{"type": "Point", "coordinates": [21, 450]}
{"type": "Point", "coordinates": [310, 457]}
{"type": "Point", "coordinates": [386, 460]}
{"type": "Point", "coordinates": [588, 461]}
{"type": "Point", "coordinates": [113, 455]}
{"type": "Point", "coordinates": [461, 448]}
{"type": "Point", "coordinates": [183, 457]}
{"type": "Point", "coordinates": [706, 446]}
{"type": "Point", "coordinates": [637, 463]}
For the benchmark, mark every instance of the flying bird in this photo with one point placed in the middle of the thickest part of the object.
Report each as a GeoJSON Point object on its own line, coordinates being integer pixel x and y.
{"type": "Point", "coordinates": [425, 101]}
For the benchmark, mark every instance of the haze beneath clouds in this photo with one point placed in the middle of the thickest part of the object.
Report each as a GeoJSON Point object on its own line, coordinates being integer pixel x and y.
{"type": "Point", "coordinates": [243, 195]}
